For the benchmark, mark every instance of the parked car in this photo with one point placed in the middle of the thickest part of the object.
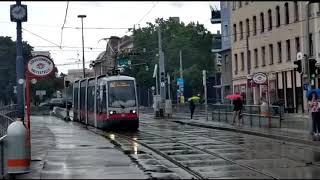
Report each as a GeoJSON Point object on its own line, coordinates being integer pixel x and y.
{"type": "Point", "coordinates": [59, 102]}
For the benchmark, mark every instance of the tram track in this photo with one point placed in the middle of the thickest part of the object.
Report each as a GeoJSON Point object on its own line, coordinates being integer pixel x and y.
{"type": "Point", "coordinates": [145, 136]}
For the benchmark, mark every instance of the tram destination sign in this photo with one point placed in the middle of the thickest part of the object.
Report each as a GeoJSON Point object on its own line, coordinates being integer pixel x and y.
{"type": "Point", "coordinates": [40, 66]}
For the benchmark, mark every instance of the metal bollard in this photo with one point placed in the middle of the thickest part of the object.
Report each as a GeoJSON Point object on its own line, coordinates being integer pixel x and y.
{"type": "Point", "coordinates": [18, 144]}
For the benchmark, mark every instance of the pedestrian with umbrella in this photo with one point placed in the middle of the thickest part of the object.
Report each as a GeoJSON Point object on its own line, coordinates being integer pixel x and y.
{"type": "Point", "coordinates": [192, 103]}
{"type": "Point", "coordinates": [237, 106]}
{"type": "Point", "coordinates": [314, 108]}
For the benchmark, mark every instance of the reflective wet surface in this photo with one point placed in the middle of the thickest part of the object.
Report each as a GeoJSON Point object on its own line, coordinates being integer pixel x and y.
{"type": "Point", "coordinates": [216, 153]}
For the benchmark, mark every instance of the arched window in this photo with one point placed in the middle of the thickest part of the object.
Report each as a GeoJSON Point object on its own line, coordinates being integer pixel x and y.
{"type": "Point", "coordinates": [278, 15]}
{"type": "Point", "coordinates": [286, 10]}
{"type": "Point", "coordinates": [270, 19]}
{"type": "Point", "coordinates": [262, 22]}
{"type": "Point", "coordinates": [296, 11]}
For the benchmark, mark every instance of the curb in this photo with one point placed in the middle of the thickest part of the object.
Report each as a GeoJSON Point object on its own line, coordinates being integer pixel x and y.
{"type": "Point", "coordinates": [250, 132]}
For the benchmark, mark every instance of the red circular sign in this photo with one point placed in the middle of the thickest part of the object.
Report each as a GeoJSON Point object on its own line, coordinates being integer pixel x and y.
{"type": "Point", "coordinates": [40, 66]}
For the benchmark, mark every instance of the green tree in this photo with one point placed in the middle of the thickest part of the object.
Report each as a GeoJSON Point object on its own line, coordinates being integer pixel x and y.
{"type": "Point", "coordinates": [193, 39]}
{"type": "Point", "coordinates": [8, 66]}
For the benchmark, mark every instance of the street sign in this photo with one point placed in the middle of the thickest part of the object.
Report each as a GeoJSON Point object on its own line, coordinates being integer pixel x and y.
{"type": "Point", "coordinates": [260, 78]}
{"type": "Point", "coordinates": [162, 84]}
{"type": "Point", "coordinates": [40, 66]}
{"type": "Point", "coordinates": [180, 82]}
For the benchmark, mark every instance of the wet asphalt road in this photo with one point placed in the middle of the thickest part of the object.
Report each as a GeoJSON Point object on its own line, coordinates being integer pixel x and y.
{"type": "Point", "coordinates": [170, 150]}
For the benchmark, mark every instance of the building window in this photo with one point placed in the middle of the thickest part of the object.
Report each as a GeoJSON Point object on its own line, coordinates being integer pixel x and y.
{"type": "Point", "coordinates": [236, 63]}
{"type": "Point", "coordinates": [262, 22]}
{"type": "Point", "coordinates": [296, 11]}
{"type": "Point", "coordinates": [240, 4]}
{"type": "Point", "coordinates": [246, 2]}
{"type": "Point", "coordinates": [263, 55]}
{"type": "Point", "coordinates": [249, 61]}
{"type": "Point", "coordinates": [226, 60]}
{"type": "Point", "coordinates": [286, 10]}
{"type": "Point", "coordinates": [241, 30]}
{"type": "Point", "coordinates": [288, 50]}
{"type": "Point", "coordinates": [242, 61]}
{"type": "Point", "coordinates": [279, 52]}
{"type": "Point", "coordinates": [278, 15]}
{"type": "Point", "coordinates": [234, 5]}
{"type": "Point", "coordinates": [254, 25]}
{"type": "Point", "coordinates": [310, 45]}
{"type": "Point", "coordinates": [235, 32]}
{"type": "Point", "coordinates": [270, 19]}
{"type": "Point", "coordinates": [297, 44]}
{"type": "Point", "coordinates": [256, 60]}
{"type": "Point", "coordinates": [248, 27]}
{"type": "Point", "coordinates": [226, 30]}
{"type": "Point", "coordinates": [271, 53]}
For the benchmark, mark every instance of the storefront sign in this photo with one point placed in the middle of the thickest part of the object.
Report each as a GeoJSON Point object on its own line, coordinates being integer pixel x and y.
{"type": "Point", "coordinates": [260, 78]}
{"type": "Point", "coordinates": [40, 66]}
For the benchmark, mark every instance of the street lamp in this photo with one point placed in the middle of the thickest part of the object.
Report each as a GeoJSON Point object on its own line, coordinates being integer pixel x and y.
{"type": "Point", "coordinates": [84, 71]}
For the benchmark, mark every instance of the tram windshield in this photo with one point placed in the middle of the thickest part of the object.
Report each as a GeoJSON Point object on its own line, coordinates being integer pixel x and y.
{"type": "Point", "coordinates": [121, 94]}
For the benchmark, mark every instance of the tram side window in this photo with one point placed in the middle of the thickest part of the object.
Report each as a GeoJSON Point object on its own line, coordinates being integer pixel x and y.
{"type": "Point", "coordinates": [104, 99]}
{"type": "Point", "coordinates": [82, 97]}
{"type": "Point", "coordinates": [76, 98]}
{"type": "Point", "coordinates": [90, 98]}
{"type": "Point", "coordinates": [98, 99]}
{"type": "Point", "coordinates": [101, 99]}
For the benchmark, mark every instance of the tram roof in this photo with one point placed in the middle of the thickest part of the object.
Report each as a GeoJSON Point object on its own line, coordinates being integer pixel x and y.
{"type": "Point", "coordinates": [118, 77]}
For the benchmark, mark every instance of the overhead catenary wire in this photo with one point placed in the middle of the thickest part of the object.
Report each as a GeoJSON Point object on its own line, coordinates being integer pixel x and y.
{"type": "Point", "coordinates": [64, 22]}
{"type": "Point", "coordinates": [154, 5]}
{"type": "Point", "coordinates": [41, 37]}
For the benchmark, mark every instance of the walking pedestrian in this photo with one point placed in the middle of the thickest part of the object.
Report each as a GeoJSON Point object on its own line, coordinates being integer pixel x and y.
{"type": "Point", "coordinates": [237, 108]}
{"type": "Point", "coordinates": [192, 106]}
{"type": "Point", "coordinates": [314, 108]}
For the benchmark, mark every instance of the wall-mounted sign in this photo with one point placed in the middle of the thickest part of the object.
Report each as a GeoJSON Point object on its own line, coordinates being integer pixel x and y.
{"type": "Point", "coordinates": [260, 78]}
{"type": "Point", "coordinates": [40, 66]}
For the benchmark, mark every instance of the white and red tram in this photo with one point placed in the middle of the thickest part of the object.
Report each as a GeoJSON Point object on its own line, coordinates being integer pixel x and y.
{"type": "Point", "coordinates": [106, 102]}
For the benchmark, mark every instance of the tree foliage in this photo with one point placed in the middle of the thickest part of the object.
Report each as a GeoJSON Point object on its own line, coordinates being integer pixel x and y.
{"type": "Point", "coordinates": [192, 39]}
{"type": "Point", "coordinates": [8, 72]}
{"type": "Point", "coordinates": [8, 66]}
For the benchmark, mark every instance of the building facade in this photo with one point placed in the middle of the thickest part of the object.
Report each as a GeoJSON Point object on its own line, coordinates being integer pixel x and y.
{"type": "Point", "coordinates": [106, 60]}
{"type": "Point", "coordinates": [266, 37]}
{"type": "Point", "coordinates": [226, 63]}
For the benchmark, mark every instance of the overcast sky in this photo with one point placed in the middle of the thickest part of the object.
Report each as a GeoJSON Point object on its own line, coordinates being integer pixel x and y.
{"type": "Point", "coordinates": [45, 20]}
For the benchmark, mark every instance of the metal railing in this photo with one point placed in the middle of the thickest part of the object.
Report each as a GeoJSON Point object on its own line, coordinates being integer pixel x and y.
{"type": "Point", "coordinates": [251, 114]}
{"type": "Point", "coordinates": [7, 115]}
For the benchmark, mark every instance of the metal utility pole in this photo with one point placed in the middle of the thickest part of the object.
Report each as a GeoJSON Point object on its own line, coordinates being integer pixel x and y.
{"type": "Point", "coordinates": [161, 68]}
{"type": "Point", "coordinates": [168, 79]}
{"type": "Point", "coordinates": [20, 70]}
{"type": "Point", "coordinates": [181, 70]}
{"type": "Point", "coordinates": [249, 89]}
{"type": "Point", "coordinates": [204, 80]}
{"type": "Point", "coordinates": [83, 63]}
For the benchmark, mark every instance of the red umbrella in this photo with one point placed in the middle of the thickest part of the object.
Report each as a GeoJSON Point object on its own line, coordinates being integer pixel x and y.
{"type": "Point", "coordinates": [233, 96]}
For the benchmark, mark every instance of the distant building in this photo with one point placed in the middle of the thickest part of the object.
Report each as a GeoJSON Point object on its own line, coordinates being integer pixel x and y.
{"type": "Point", "coordinates": [45, 53]}
{"type": "Point", "coordinates": [76, 74]}
{"type": "Point", "coordinates": [226, 61]}
{"type": "Point", "coordinates": [106, 60]}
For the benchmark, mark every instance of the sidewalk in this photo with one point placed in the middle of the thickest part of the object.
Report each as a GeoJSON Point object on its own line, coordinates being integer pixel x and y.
{"type": "Point", "coordinates": [66, 150]}
{"type": "Point", "coordinates": [285, 133]}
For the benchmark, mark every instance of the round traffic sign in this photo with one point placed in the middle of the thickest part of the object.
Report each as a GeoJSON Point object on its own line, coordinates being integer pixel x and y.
{"type": "Point", "coordinates": [33, 81]}
{"type": "Point", "coordinates": [40, 66]}
{"type": "Point", "coordinates": [21, 81]}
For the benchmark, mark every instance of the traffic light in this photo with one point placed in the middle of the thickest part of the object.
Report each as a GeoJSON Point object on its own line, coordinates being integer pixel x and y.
{"type": "Point", "coordinates": [312, 67]}
{"type": "Point", "coordinates": [299, 66]}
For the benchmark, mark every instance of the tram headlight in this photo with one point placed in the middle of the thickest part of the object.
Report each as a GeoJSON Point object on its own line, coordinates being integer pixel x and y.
{"type": "Point", "coordinates": [112, 112]}
{"type": "Point", "coordinates": [134, 111]}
